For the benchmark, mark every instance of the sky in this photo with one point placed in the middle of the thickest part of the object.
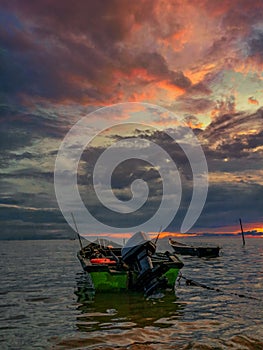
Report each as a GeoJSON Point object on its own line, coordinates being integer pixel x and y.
{"type": "Point", "coordinates": [61, 61]}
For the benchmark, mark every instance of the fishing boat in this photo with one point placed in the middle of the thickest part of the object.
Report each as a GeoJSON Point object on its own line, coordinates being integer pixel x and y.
{"type": "Point", "coordinates": [136, 266]}
{"type": "Point", "coordinates": [199, 251]}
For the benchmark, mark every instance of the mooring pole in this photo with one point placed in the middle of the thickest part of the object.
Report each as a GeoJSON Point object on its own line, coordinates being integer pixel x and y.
{"type": "Point", "coordinates": [242, 232]}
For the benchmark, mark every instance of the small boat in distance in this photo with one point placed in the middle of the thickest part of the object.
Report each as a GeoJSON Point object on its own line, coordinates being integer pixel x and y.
{"type": "Point", "coordinates": [199, 251]}
{"type": "Point", "coordinates": [136, 266]}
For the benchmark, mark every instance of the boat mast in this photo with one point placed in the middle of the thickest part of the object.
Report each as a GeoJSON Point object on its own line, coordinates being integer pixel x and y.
{"type": "Point", "coordinates": [80, 243]}
{"type": "Point", "coordinates": [158, 235]}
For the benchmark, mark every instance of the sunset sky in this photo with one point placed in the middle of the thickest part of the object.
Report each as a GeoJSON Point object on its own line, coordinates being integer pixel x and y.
{"type": "Point", "coordinates": [61, 60]}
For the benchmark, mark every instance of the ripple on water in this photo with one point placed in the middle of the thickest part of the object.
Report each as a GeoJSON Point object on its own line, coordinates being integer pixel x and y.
{"type": "Point", "coordinates": [155, 339]}
{"type": "Point", "coordinates": [44, 304]}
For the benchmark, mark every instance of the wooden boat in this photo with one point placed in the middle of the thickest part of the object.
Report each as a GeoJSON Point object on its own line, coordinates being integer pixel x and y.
{"type": "Point", "coordinates": [199, 251]}
{"type": "Point", "coordinates": [136, 266]}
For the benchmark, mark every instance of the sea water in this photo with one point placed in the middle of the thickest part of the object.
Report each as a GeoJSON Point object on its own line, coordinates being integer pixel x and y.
{"type": "Point", "coordinates": [46, 302]}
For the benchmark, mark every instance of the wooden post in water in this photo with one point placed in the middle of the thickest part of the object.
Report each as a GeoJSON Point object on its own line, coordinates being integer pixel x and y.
{"type": "Point", "coordinates": [242, 232]}
{"type": "Point", "coordinates": [80, 243]}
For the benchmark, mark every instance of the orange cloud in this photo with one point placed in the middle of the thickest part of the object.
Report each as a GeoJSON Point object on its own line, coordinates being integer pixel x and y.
{"type": "Point", "coordinates": [135, 74]}
{"type": "Point", "coordinates": [198, 75]}
{"type": "Point", "coordinates": [219, 8]}
{"type": "Point", "coordinates": [177, 40]}
{"type": "Point", "coordinates": [108, 235]}
{"type": "Point", "coordinates": [194, 125]}
{"type": "Point", "coordinates": [258, 226]}
{"type": "Point", "coordinates": [171, 234]}
{"type": "Point", "coordinates": [249, 65]}
{"type": "Point", "coordinates": [154, 92]}
{"type": "Point", "coordinates": [252, 100]}
{"type": "Point", "coordinates": [231, 229]}
{"type": "Point", "coordinates": [171, 91]}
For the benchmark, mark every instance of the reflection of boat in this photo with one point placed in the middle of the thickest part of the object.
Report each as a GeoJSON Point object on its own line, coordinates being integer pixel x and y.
{"type": "Point", "coordinates": [199, 251]}
{"type": "Point", "coordinates": [123, 310]}
{"type": "Point", "coordinates": [136, 266]}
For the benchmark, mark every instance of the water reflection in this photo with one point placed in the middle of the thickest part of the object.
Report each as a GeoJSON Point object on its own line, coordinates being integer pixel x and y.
{"type": "Point", "coordinates": [123, 310]}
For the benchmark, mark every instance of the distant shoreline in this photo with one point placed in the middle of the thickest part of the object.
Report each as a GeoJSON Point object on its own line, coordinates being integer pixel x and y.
{"type": "Point", "coordinates": [208, 235]}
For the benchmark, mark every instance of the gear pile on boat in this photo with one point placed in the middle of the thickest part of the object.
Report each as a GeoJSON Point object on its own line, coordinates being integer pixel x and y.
{"type": "Point", "coordinates": [136, 266]}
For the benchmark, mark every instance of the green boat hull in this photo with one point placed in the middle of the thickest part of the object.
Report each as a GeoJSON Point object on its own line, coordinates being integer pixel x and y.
{"type": "Point", "coordinates": [105, 281]}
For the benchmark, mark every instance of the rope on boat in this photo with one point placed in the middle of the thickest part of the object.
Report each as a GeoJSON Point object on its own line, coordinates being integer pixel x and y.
{"type": "Point", "coordinates": [190, 282]}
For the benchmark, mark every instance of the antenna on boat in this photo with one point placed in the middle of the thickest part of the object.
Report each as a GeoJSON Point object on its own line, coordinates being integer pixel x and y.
{"type": "Point", "coordinates": [80, 243]}
{"type": "Point", "coordinates": [156, 239]}
{"type": "Point", "coordinates": [242, 232]}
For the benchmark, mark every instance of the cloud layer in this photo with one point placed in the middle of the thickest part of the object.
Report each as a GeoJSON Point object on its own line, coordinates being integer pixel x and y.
{"type": "Point", "coordinates": [200, 59]}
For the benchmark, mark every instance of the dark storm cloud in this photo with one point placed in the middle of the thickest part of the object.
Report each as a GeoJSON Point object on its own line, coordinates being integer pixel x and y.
{"type": "Point", "coordinates": [226, 201]}
{"type": "Point", "coordinates": [229, 137]}
{"type": "Point", "coordinates": [168, 144]}
{"type": "Point", "coordinates": [121, 181]}
{"type": "Point", "coordinates": [88, 52]}
{"type": "Point", "coordinates": [33, 226]}
{"type": "Point", "coordinates": [59, 51]}
{"type": "Point", "coordinates": [27, 66]}
{"type": "Point", "coordinates": [226, 205]}
{"type": "Point", "coordinates": [48, 49]}
{"type": "Point", "coordinates": [27, 209]}
{"type": "Point", "coordinates": [127, 172]}
{"type": "Point", "coordinates": [20, 127]}
{"type": "Point", "coordinates": [157, 67]}
{"type": "Point", "coordinates": [104, 21]}
{"type": "Point", "coordinates": [224, 125]}
{"type": "Point", "coordinates": [194, 105]}
{"type": "Point", "coordinates": [230, 197]}
{"type": "Point", "coordinates": [25, 161]}
{"type": "Point", "coordinates": [255, 44]}
{"type": "Point", "coordinates": [63, 51]}
{"type": "Point", "coordinates": [29, 173]}
{"type": "Point", "coordinates": [240, 13]}
{"type": "Point", "coordinates": [199, 89]}
{"type": "Point", "coordinates": [48, 73]}
{"type": "Point", "coordinates": [241, 146]}
{"type": "Point", "coordinates": [31, 215]}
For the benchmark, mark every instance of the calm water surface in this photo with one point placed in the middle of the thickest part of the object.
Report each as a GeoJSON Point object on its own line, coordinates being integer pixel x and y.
{"type": "Point", "coordinates": [46, 303]}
